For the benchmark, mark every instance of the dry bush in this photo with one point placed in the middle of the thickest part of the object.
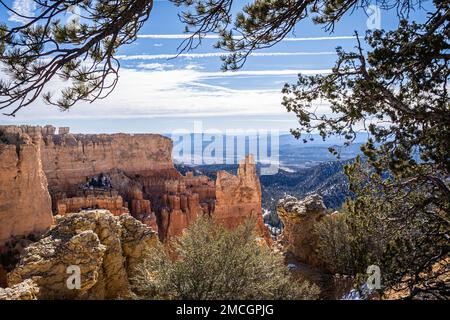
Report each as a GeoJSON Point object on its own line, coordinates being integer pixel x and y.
{"type": "Point", "coordinates": [215, 263]}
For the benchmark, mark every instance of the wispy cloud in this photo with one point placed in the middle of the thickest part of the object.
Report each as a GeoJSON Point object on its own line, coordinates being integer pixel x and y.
{"type": "Point", "coordinates": [23, 9]}
{"type": "Point", "coordinates": [287, 72]}
{"type": "Point", "coordinates": [213, 36]}
{"type": "Point", "coordinates": [154, 66]}
{"type": "Point", "coordinates": [143, 94]}
{"type": "Point", "coordinates": [218, 54]}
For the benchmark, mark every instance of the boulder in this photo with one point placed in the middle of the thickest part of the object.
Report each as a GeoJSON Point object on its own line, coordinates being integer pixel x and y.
{"type": "Point", "coordinates": [26, 290]}
{"type": "Point", "coordinates": [105, 248]}
{"type": "Point", "coordinates": [299, 218]}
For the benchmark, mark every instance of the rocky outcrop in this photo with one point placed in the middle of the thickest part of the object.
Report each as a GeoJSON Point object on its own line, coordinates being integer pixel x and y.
{"type": "Point", "coordinates": [299, 218]}
{"type": "Point", "coordinates": [105, 248]}
{"type": "Point", "coordinates": [27, 290]}
{"type": "Point", "coordinates": [141, 209]}
{"type": "Point", "coordinates": [110, 201]}
{"type": "Point", "coordinates": [25, 204]}
{"type": "Point", "coordinates": [239, 197]}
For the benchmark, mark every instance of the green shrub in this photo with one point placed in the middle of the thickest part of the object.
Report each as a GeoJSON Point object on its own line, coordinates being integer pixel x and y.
{"type": "Point", "coordinates": [334, 247]}
{"type": "Point", "coordinates": [215, 263]}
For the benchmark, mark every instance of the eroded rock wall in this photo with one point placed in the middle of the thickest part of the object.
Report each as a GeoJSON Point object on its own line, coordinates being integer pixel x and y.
{"type": "Point", "coordinates": [25, 204]}
{"type": "Point", "coordinates": [110, 201]}
{"type": "Point", "coordinates": [70, 159]}
{"type": "Point", "coordinates": [140, 170]}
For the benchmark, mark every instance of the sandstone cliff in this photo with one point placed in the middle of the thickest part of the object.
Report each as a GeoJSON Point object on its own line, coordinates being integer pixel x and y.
{"type": "Point", "coordinates": [110, 201]}
{"type": "Point", "coordinates": [299, 218]}
{"type": "Point", "coordinates": [106, 248]}
{"type": "Point", "coordinates": [239, 197]}
{"type": "Point", "coordinates": [70, 159]}
{"type": "Point", "coordinates": [25, 204]}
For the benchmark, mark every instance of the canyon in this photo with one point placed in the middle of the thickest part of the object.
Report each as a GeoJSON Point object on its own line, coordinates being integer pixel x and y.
{"type": "Point", "coordinates": [102, 201]}
{"type": "Point", "coordinates": [47, 172]}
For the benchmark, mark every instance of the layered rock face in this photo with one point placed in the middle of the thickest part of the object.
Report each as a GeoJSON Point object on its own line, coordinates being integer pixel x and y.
{"type": "Point", "coordinates": [25, 204]}
{"type": "Point", "coordinates": [142, 209]}
{"type": "Point", "coordinates": [70, 159]}
{"type": "Point", "coordinates": [105, 248]}
{"type": "Point", "coordinates": [132, 176]}
{"type": "Point", "coordinates": [110, 201]}
{"type": "Point", "coordinates": [178, 202]}
{"type": "Point", "coordinates": [239, 197]}
{"type": "Point", "coordinates": [299, 218]}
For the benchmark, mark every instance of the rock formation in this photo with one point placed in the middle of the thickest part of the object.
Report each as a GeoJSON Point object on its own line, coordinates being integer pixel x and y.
{"type": "Point", "coordinates": [135, 173]}
{"type": "Point", "coordinates": [239, 197]}
{"type": "Point", "coordinates": [106, 248]}
{"type": "Point", "coordinates": [141, 209]}
{"type": "Point", "coordinates": [110, 201]}
{"type": "Point", "coordinates": [25, 204]}
{"type": "Point", "coordinates": [27, 290]}
{"type": "Point", "coordinates": [69, 159]}
{"type": "Point", "coordinates": [132, 177]}
{"type": "Point", "coordinates": [299, 218]}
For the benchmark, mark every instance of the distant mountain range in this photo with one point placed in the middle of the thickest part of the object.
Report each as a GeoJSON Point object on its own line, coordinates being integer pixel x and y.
{"type": "Point", "coordinates": [289, 153]}
{"type": "Point", "coordinates": [326, 179]}
{"type": "Point", "coordinates": [304, 168]}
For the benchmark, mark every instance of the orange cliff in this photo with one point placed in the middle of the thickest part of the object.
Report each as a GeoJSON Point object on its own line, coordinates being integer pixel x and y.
{"type": "Point", "coordinates": [135, 173]}
{"type": "Point", "coordinates": [239, 197]}
{"type": "Point", "coordinates": [25, 204]}
{"type": "Point", "coordinates": [69, 159]}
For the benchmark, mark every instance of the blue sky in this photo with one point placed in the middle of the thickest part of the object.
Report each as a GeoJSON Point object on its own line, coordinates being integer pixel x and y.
{"type": "Point", "coordinates": [160, 94]}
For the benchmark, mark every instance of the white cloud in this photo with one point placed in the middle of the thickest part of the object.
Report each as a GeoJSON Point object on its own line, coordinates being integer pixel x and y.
{"type": "Point", "coordinates": [23, 9]}
{"type": "Point", "coordinates": [287, 72]}
{"type": "Point", "coordinates": [213, 36]}
{"type": "Point", "coordinates": [218, 54]}
{"type": "Point", "coordinates": [320, 38]}
{"type": "Point", "coordinates": [155, 66]}
{"type": "Point", "coordinates": [193, 66]}
{"type": "Point", "coordinates": [143, 94]}
{"type": "Point", "coordinates": [172, 36]}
